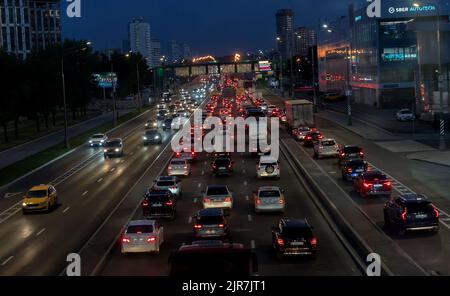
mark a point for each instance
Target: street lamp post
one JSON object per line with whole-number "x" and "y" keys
{"x": 63, "y": 81}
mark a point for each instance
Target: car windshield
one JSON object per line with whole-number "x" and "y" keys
{"x": 151, "y": 133}
{"x": 97, "y": 136}
{"x": 351, "y": 150}
{"x": 269, "y": 193}
{"x": 304, "y": 129}
{"x": 112, "y": 144}
{"x": 37, "y": 193}
{"x": 328, "y": 143}
{"x": 210, "y": 219}
{"x": 165, "y": 183}
{"x": 217, "y": 191}
{"x": 297, "y": 232}
{"x": 137, "y": 229}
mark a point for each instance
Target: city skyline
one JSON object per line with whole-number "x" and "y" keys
{"x": 213, "y": 32}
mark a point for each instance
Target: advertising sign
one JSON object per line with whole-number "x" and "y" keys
{"x": 106, "y": 80}
{"x": 405, "y": 8}
{"x": 265, "y": 66}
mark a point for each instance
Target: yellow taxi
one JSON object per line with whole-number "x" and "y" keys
{"x": 40, "y": 198}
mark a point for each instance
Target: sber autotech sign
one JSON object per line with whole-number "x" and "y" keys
{"x": 410, "y": 8}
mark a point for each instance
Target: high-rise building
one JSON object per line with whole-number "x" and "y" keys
{"x": 186, "y": 52}
{"x": 139, "y": 36}
{"x": 285, "y": 32}
{"x": 28, "y": 25}
{"x": 305, "y": 38}
{"x": 174, "y": 52}
{"x": 156, "y": 52}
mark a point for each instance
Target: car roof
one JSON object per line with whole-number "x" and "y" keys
{"x": 354, "y": 160}
{"x": 210, "y": 212}
{"x": 269, "y": 188}
{"x": 141, "y": 222}
{"x": 216, "y": 186}
{"x": 326, "y": 140}
{"x": 351, "y": 146}
{"x": 413, "y": 198}
{"x": 373, "y": 173}
{"x": 98, "y": 135}
{"x": 115, "y": 140}
{"x": 40, "y": 187}
{"x": 167, "y": 178}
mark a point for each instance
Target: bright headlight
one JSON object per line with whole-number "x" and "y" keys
{"x": 102, "y": 141}
{"x": 117, "y": 150}
{"x": 145, "y": 138}
{"x": 155, "y": 124}
{"x": 90, "y": 141}
{"x": 156, "y": 137}
{"x": 24, "y": 204}
{"x": 105, "y": 150}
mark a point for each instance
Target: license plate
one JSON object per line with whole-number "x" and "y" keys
{"x": 222, "y": 168}
{"x": 359, "y": 171}
{"x": 378, "y": 186}
{"x": 156, "y": 205}
{"x": 421, "y": 216}
{"x": 297, "y": 244}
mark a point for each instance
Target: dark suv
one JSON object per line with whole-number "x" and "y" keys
{"x": 222, "y": 166}
{"x": 411, "y": 212}
{"x": 294, "y": 238}
{"x": 159, "y": 203}
{"x": 353, "y": 168}
{"x": 350, "y": 152}
{"x": 211, "y": 223}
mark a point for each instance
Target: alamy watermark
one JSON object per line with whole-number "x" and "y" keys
{"x": 374, "y": 8}
{"x": 374, "y": 264}
{"x": 73, "y": 8}
{"x": 74, "y": 266}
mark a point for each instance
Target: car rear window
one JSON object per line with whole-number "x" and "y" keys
{"x": 37, "y": 193}
{"x": 165, "y": 183}
{"x": 217, "y": 191}
{"x": 419, "y": 207}
{"x": 140, "y": 229}
{"x": 304, "y": 129}
{"x": 222, "y": 162}
{"x": 328, "y": 143}
{"x": 269, "y": 193}
{"x": 178, "y": 162}
{"x": 157, "y": 197}
{"x": 356, "y": 163}
{"x": 351, "y": 150}
{"x": 373, "y": 177}
{"x": 210, "y": 219}
{"x": 297, "y": 232}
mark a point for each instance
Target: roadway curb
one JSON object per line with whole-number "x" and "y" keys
{"x": 5, "y": 187}
{"x": 350, "y": 234}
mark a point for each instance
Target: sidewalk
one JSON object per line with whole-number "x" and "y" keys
{"x": 17, "y": 153}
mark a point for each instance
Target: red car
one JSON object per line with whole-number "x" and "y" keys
{"x": 372, "y": 183}
{"x": 312, "y": 137}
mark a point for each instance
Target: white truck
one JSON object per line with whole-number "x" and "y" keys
{"x": 299, "y": 113}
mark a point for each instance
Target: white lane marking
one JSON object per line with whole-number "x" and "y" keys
{"x": 199, "y": 185}
{"x": 445, "y": 219}
{"x": 247, "y": 197}
{"x": 203, "y": 173}
{"x": 243, "y": 171}
{"x": 332, "y": 173}
{"x": 249, "y": 218}
{"x": 252, "y": 244}
{"x": 122, "y": 161}
{"x": 190, "y": 220}
{"x": 66, "y": 209}
{"x": 195, "y": 200}
{"x": 8, "y": 195}
{"x": 7, "y": 260}
{"x": 245, "y": 183}
{"x": 99, "y": 180}
{"x": 132, "y": 153}
{"x": 112, "y": 170}
{"x": 183, "y": 244}
{"x": 40, "y": 232}
{"x": 243, "y": 161}
{"x": 84, "y": 193}
{"x": 205, "y": 163}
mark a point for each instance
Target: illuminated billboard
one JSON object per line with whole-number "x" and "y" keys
{"x": 106, "y": 80}
{"x": 265, "y": 66}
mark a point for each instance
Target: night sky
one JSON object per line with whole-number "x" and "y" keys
{"x": 215, "y": 27}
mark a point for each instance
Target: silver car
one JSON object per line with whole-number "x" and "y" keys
{"x": 173, "y": 185}
{"x": 217, "y": 196}
{"x": 300, "y": 133}
{"x": 326, "y": 148}
{"x": 268, "y": 167}
{"x": 142, "y": 236}
{"x": 269, "y": 199}
{"x": 179, "y": 167}
{"x": 98, "y": 140}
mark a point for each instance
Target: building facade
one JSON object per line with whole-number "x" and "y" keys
{"x": 156, "y": 53}
{"x": 304, "y": 38}
{"x": 285, "y": 32}
{"x": 139, "y": 36}
{"x": 26, "y": 25}
{"x": 393, "y": 61}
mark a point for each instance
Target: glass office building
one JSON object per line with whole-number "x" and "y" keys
{"x": 394, "y": 59}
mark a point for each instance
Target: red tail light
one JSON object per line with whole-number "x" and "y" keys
{"x": 169, "y": 203}
{"x": 170, "y": 168}
{"x": 361, "y": 153}
{"x": 280, "y": 242}
{"x": 313, "y": 242}
{"x": 281, "y": 201}
{"x": 178, "y": 154}
{"x": 185, "y": 167}
{"x": 173, "y": 188}
{"x": 151, "y": 239}
{"x": 145, "y": 203}
{"x": 388, "y": 184}
{"x": 198, "y": 226}
{"x": 227, "y": 199}
{"x": 258, "y": 201}
{"x": 221, "y": 225}
{"x": 343, "y": 154}
{"x": 193, "y": 153}
{"x": 125, "y": 240}
{"x": 308, "y": 138}
{"x": 405, "y": 212}
{"x": 436, "y": 213}
{"x": 367, "y": 185}
{"x": 206, "y": 200}
{"x": 230, "y": 166}
{"x": 349, "y": 170}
